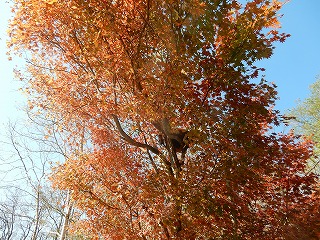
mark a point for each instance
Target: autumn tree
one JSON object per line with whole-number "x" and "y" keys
{"x": 180, "y": 136}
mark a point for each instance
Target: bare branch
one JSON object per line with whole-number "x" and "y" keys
{"x": 131, "y": 140}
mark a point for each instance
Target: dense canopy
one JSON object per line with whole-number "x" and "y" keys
{"x": 177, "y": 124}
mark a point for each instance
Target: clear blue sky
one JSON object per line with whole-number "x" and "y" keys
{"x": 293, "y": 67}
{"x": 295, "y": 64}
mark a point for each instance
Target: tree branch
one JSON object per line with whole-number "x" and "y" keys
{"x": 131, "y": 140}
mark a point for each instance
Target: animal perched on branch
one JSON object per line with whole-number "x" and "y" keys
{"x": 174, "y": 139}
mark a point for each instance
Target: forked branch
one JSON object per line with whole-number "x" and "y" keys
{"x": 131, "y": 140}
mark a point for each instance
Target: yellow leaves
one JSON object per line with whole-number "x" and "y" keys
{"x": 50, "y": 81}
{"x": 274, "y": 23}
{"x": 30, "y": 105}
{"x": 50, "y": 1}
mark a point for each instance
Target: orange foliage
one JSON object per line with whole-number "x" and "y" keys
{"x": 137, "y": 73}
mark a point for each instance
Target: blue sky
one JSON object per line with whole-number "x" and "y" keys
{"x": 295, "y": 64}
{"x": 8, "y": 90}
{"x": 293, "y": 67}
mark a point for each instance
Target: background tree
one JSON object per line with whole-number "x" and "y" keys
{"x": 306, "y": 120}
{"x": 30, "y": 208}
{"x": 179, "y": 136}
{"x": 14, "y": 219}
